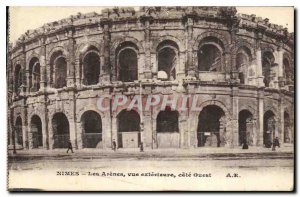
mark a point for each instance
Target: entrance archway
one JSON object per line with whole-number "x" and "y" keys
{"x": 269, "y": 128}
{"x": 167, "y": 129}
{"x": 211, "y": 126}
{"x": 129, "y": 135}
{"x": 61, "y": 133}
{"x": 36, "y": 130}
{"x": 19, "y": 132}
{"x": 92, "y": 130}
{"x": 245, "y": 127}
{"x": 287, "y": 128}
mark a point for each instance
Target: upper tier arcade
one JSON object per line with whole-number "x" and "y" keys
{"x": 175, "y": 44}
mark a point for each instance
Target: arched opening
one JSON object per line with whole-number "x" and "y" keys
{"x": 129, "y": 135}
{"x": 243, "y": 59}
{"x": 61, "y": 133}
{"x": 18, "y": 78}
{"x": 91, "y": 67}
{"x": 58, "y": 70}
{"x": 19, "y": 132}
{"x": 36, "y": 131}
{"x": 268, "y": 60}
{"x": 168, "y": 58}
{"x": 269, "y": 128}
{"x": 211, "y": 126}
{"x": 246, "y": 127}
{"x": 210, "y": 55}
{"x": 92, "y": 130}
{"x": 167, "y": 128}
{"x": 287, "y": 71}
{"x": 127, "y": 62}
{"x": 34, "y": 74}
{"x": 287, "y": 128}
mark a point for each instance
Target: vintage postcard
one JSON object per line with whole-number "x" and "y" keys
{"x": 150, "y": 98}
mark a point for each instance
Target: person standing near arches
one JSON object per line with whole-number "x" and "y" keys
{"x": 70, "y": 147}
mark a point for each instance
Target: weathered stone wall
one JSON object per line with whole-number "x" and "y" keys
{"x": 146, "y": 29}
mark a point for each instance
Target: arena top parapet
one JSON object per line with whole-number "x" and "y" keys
{"x": 228, "y": 14}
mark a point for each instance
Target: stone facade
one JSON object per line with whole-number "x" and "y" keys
{"x": 240, "y": 66}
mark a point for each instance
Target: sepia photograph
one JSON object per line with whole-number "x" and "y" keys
{"x": 150, "y": 98}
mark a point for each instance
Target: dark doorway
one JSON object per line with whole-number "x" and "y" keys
{"x": 61, "y": 133}
{"x": 167, "y": 128}
{"x": 287, "y": 128}
{"x": 19, "y": 132}
{"x": 269, "y": 128}
{"x": 36, "y": 130}
{"x": 209, "y": 126}
{"x": 245, "y": 127}
{"x": 92, "y": 130}
{"x": 129, "y": 135}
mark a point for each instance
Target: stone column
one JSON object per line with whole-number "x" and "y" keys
{"x": 235, "y": 116}
{"x": 107, "y": 131}
{"x": 71, "y": 59}
{"x": 106, "y": 66}
{"x": 43, "y": 64}
{"x": 77, "y": 72}
{"x": 281, "y": 119}
{"x": 114, "y": 128}
{"x": 11, "y": 126}
{"x": 280, "y": 71}
{"x": 190, "y": 67}
{"x": 184, "y": 133}
{"x": 28, "y": 81}
{"x": 147, "y": 72}
{"x": 26, "y": 137}
{"x": 73, "y": 119}
{"x": 260, "y": 115}
{"x": 45, "y": 126}
{"x": 30, "y": 137}
{"x": 51, "y": 140}
{"x": 148, "y": 132}
{"x": 259, "y": 75}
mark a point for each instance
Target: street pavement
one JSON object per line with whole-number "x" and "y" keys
{"x": 256, "y": 167}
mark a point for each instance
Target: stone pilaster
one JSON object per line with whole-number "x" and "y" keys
{"x": 281, "y": 119}
{"x": 147, "y": 35}
{"x": 26, "y": 137}
{"x": 148, "y": 132}
{"x": 28, "y": 81}
{"x": 107, "y": 132}
{"x": 235, "y": 116}
{"x": 259, "y": 75}
{"x": 73, "y": 119}
{"x": 190, "y": 67}
{"x": 77, "y": 72}
{"x": 260, "y": 115}
{"x": 105, "y": 71}
{"x": 71, "y": 59}
{"x": 43, "y": 64}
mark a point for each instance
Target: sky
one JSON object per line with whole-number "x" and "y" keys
{"x": 25, "y": 18}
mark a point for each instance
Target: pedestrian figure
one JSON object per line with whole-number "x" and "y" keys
{"x": 245, "y": 145}
{"x": 141, "y": 147}
{"x": 114, "y": 145}
{"x": 70, "y": 147}
{"x": 276, "y": 142}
